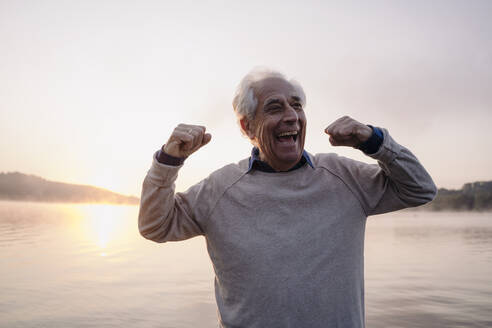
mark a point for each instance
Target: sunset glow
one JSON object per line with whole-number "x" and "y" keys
{"x": 103, "y": 226}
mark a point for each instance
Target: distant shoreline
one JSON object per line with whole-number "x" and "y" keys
{"x": 16, "y": 186}
{"x": 429, "y": 209}
{"x": 6, "y": 200}
{"x": 472, "y": 197}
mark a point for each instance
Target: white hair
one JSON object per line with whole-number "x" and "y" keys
{"x": 245, "y": 101}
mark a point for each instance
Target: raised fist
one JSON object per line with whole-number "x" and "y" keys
{"x": 185, "y": 140}
{"x": 348, "y": 132}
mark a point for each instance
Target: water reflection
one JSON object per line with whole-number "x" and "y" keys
{"x": 429, "y": 270}
{"x": 87, "y": 266}
{"x": 100, "y": 224}
{"x": 475, "y": 231}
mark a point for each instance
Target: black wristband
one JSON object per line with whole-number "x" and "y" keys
{"x": 371, "y": 145}
{"x": 164, "y": 158}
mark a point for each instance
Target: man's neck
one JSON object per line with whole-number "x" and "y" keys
{"x": 259, "y": 164}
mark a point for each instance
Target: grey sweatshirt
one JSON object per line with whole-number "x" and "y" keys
{"x": 287, "y": 248}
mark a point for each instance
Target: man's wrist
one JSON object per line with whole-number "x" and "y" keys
{"x": 164, "y": 158}
{"x": 372, "y": 145}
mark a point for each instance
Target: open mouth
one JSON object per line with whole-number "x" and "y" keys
{"x": 287, "y": 136}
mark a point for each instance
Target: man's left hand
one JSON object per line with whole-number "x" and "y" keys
{"x": 348, "y": 132}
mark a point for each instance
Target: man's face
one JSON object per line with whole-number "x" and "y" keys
{"x": 279, "y": 126}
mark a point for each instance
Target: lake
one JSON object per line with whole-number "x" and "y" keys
{"x": 65, "y": 265}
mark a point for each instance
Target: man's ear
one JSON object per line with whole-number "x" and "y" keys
{"x": 247, "y": 127}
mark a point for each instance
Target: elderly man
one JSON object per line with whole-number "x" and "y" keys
{"x": 284, "y": 228}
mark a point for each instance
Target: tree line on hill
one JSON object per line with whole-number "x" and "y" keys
{"x": 474, "y": 196}
{"x": 19, "y": 186}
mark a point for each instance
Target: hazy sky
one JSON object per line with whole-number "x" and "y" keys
{"x": 90, "y": 89}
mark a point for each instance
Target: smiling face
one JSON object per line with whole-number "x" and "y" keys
{"x": 279, "y": 126}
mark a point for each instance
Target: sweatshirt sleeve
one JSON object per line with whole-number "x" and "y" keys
{"x": 165, "y": 215}
{"x": 398, "y": 180}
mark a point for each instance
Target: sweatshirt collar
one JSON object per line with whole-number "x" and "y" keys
{"x": 256, "y": 163}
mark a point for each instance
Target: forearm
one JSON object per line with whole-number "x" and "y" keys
{"x": 164, "y": 215}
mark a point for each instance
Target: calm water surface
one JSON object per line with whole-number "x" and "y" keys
{"x": 87, "y": 266}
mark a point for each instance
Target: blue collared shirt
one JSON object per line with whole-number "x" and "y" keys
{"x": 257, "y": 163}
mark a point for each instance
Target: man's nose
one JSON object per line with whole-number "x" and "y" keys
{"x": 290, "y": 115}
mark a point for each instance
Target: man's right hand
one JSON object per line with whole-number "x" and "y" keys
{"x": 185, "y": 140}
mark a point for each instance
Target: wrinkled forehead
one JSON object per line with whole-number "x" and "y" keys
{"x": 274, "y": 87}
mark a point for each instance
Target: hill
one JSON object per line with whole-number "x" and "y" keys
{"x": 475, "y": 196}
{"x": 19, "y": 186}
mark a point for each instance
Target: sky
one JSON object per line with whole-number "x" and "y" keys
{"x": 89, "y": 90}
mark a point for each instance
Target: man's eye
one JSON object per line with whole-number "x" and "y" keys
{"x": 274, "y": 108}
{"x": 297, "y": 105}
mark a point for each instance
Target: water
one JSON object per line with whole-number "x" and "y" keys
{"x": 87, "y": 266}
